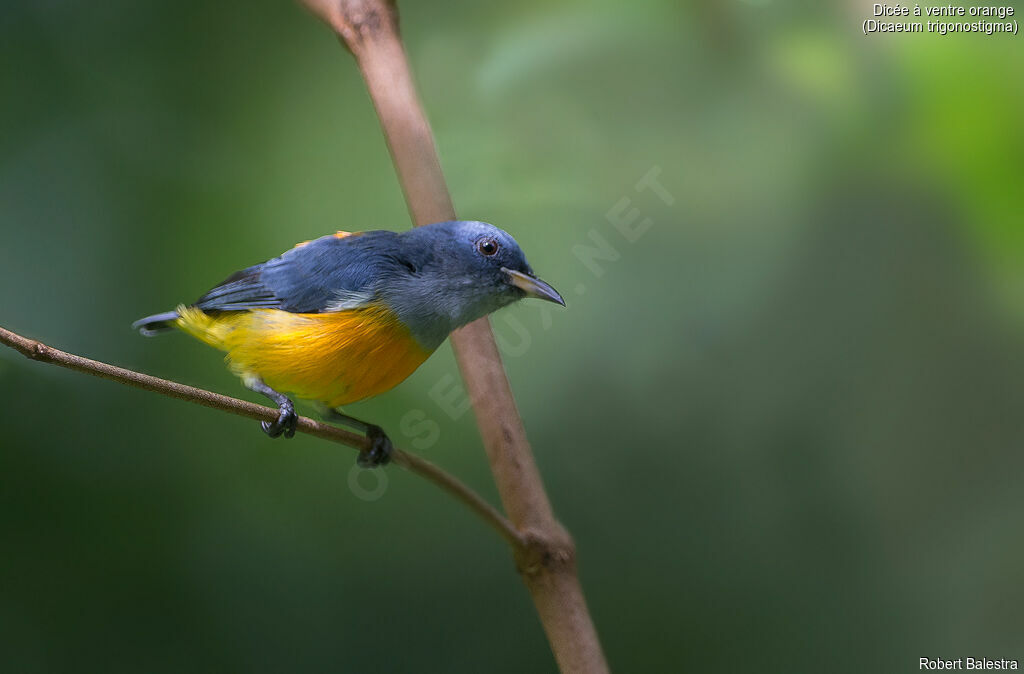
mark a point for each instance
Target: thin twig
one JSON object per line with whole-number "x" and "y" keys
{"x": 36, "y": 350}
{"x": 369, "y": 28}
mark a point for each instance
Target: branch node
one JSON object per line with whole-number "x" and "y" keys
{"x": 545, "y": 552}
{"x": 38, "y": 351}
{"x": 357, "y": 21}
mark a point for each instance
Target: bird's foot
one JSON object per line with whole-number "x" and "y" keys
{"x": 379, "y": 452}
{"x": 285, "y": 423}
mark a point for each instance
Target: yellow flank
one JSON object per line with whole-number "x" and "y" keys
{"x": 335, "y": 358}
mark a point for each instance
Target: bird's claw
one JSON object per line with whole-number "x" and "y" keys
{"x": 379, "y": 452}
{"x": 284, "y": 425}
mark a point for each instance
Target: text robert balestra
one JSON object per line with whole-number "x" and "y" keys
{"x": 936, "y": 664}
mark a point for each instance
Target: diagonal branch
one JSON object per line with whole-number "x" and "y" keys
{"x": 369, "y": 28}
{"x": 35, "y": 350}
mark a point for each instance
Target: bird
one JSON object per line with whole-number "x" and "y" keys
{"x": 350, "y": 315}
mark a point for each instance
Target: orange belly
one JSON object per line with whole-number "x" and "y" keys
{"x": 335, "y": 358}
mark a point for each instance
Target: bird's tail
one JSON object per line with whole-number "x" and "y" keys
{"x": 157, "y": 323}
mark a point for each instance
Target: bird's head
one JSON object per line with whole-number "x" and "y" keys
{"x": 472, "y": 269}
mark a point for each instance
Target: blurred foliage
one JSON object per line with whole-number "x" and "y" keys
{"x": 782, "y": 425}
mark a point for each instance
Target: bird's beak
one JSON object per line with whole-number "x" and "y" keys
{"x": 533, "y": 286}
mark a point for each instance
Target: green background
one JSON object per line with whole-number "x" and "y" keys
{"x": 784, "y": 425}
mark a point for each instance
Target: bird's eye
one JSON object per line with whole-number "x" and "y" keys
{"x": 487, "y": 246}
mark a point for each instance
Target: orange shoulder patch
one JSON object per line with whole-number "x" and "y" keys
{"x": 340, "y": 234}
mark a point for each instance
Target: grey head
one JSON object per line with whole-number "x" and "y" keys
{"x": 452, "y": 273}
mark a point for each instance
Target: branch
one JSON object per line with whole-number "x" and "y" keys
{"x": 369, "y": 28}
{"x": 34, "y": 350}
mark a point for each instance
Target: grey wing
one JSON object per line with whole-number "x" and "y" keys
{"x": 242, "y": 290}
{"x": 328, "y": 274}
